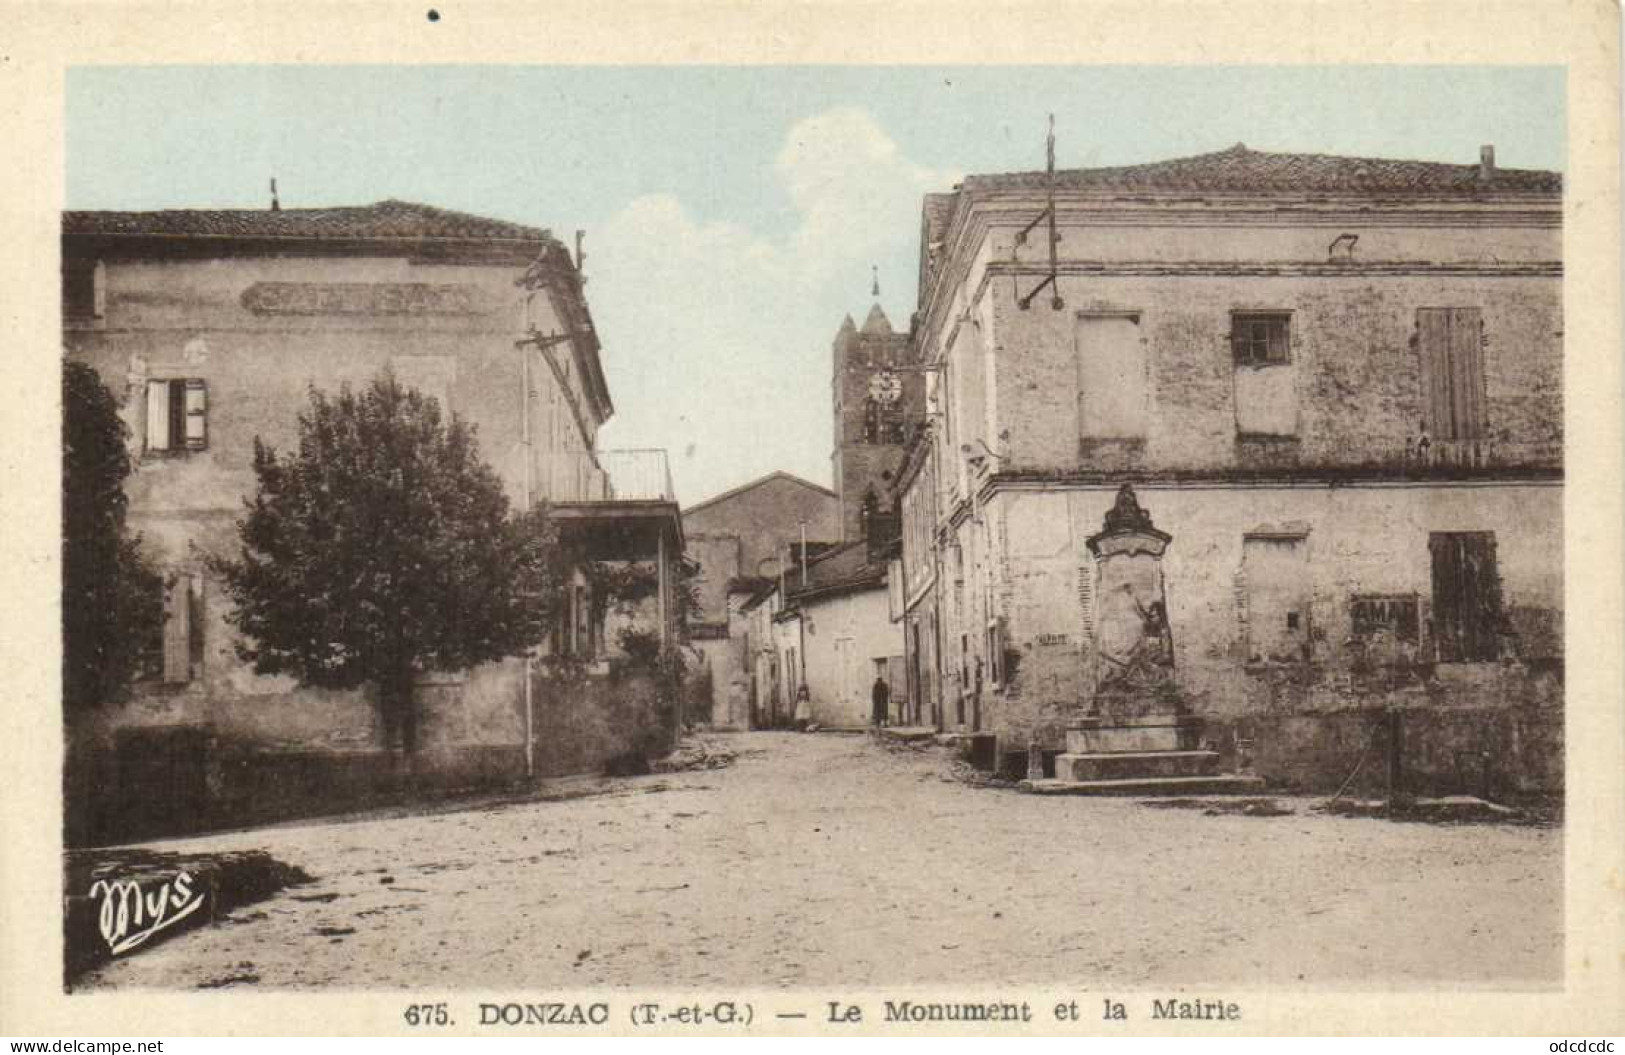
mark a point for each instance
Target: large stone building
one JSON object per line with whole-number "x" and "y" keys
{"x": 1333, "y": 388}
{"x": 210, "y": 326}
{"x": 739, "y": 541}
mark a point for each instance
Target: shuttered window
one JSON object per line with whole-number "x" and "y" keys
{"x": 82, "y": 289}
{"x": 1450, "y": 341}
{"x": 1466, "y": 596}
{"x": 179, "y": 646}
{"x": 177, "y": 415}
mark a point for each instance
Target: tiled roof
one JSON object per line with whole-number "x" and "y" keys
{"x": 1243, "y": 170}
{"x": 838, "y": 569}
{"x": 734, "y": 492}
{"x": 382, "y": 220}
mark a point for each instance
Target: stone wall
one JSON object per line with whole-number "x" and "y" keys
{"x": 844, "y": 635}
{"x": 1354, "y": 387}
{"x": 1355, "y": 540}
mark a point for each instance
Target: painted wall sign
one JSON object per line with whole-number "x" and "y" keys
{"x": 358, "y": 298}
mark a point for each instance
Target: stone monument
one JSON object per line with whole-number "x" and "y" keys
{"x": 1137, "y": 736}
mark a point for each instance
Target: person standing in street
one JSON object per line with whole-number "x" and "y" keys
{"x": 803, "y": 715}
{"x": 880, "y": 700}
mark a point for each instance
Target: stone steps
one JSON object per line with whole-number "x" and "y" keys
{"x": 1150, "y": 787}
{"x": 1129, "y": 765}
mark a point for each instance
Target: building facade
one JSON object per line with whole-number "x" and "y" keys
{"x": 739, "y": 541}
{"x": 210, "y": 327}
{"x": 1334, "y": 384}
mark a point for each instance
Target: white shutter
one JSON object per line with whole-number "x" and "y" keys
{"x": 158, "y": 416}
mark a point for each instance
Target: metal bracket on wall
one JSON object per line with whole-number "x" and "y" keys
{"x": 1025, "y": 302}
{"x": 546, "y": 340}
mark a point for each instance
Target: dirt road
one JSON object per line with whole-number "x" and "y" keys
{"x": 829, "y": 860}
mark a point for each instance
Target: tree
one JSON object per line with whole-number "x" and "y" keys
{"x": 383, "y": 547}
{"x": 112, "y": 598}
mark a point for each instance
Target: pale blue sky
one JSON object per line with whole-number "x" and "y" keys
{"x": 732, "y": 214}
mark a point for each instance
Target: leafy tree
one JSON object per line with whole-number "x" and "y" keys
{"x": 382, "y": 547}
{"x": 112, "y": 598}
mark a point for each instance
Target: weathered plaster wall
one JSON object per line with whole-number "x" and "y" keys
{"x": 197, "y": 319}
{"x": 1357, "y": 540}
{"x": 843, "y": 636}
{"x": 1354, "y": 390}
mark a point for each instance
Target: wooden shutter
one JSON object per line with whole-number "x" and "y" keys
{"x": 1433, "y": 344}
{"x": 1450, "y": 345}
{"x": 178, "y": 629}
{"x": 158, "y": 416}
{"x": 195, "y": 397}
{"x": 1466, "y": 373}
{"x": 1466, "y": 596}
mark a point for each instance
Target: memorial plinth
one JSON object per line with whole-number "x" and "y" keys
{"x": 1137, "y": 738}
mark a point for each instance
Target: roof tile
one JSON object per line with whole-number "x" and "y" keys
{"x": 1243, "y": 170}
{"x": 390, "y": 219}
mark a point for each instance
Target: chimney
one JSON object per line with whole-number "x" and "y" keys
{"x": 276, "y": 205}
{"x": 1486, "y": 161}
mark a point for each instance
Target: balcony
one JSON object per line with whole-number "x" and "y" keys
{"x": 618, "y": 505}
{"x": 605, "y": 476}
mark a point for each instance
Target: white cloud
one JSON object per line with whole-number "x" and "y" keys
{"x": 855, "y": 190}
{"x": 716, "y": 338}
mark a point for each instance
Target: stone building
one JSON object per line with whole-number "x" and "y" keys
{"x": 877, "y": 404}
{"x": 740, "y": 540}
{"x": 210, "y": 326}
{"x": 829, "y": 622}
{"x": 1333, "y": 388}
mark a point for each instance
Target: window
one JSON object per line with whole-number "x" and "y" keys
{"x": 995, "y": 652}
{"x": 1265, "y": 384}
{"x": 1275, "y": 574}
{"x": 1112, "y": 378}
{"x": 176, "y": 644}
{"x": 1261, "y": 338}
{"x": 1451, "y": 344}
{"x": 1466, "y": 596}
{"x": 177, "y": 415}
{"x": 82, "y": 289}
{"x": 575, "y": 633}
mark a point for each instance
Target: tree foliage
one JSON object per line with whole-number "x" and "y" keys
{"x": 112, "y": 599}
{"x": 382, "y": 547}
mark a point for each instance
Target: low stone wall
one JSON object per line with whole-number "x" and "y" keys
{"x": 1496, "y": 754}
{"x": 588, "y": 725}
{"x": 156, "y": 781}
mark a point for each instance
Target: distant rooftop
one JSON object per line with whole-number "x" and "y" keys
{"x": 389, "y": 219}
{"x": 1242, "y": 170}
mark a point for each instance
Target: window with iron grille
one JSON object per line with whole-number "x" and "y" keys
{"x": 1261, "y": 338}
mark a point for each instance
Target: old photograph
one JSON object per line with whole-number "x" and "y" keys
{"x": 927, "y": 534}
